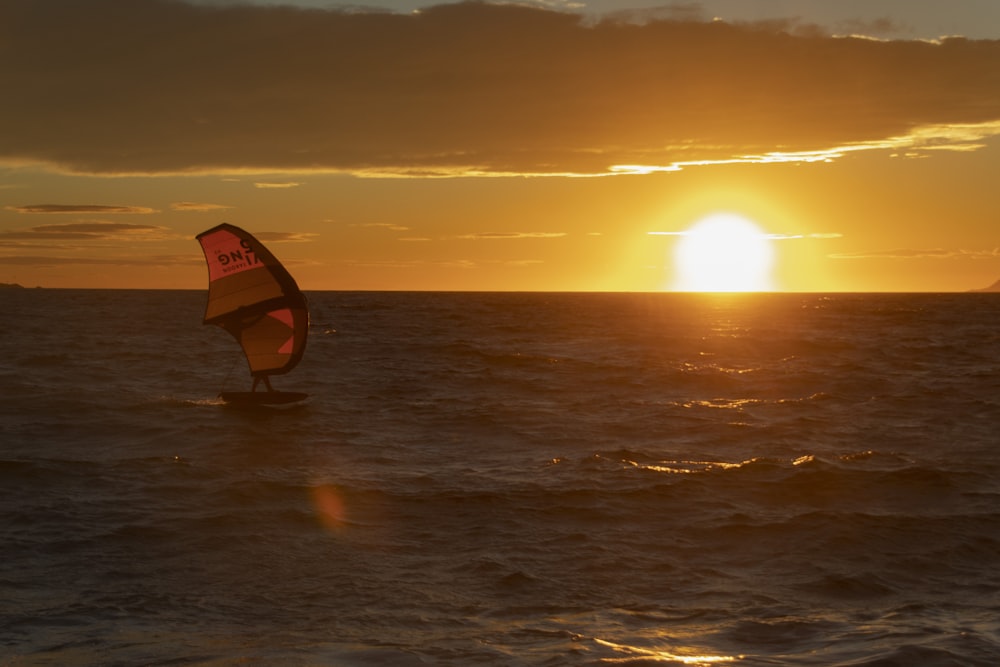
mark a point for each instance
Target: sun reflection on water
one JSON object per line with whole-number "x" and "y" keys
{"x": 682, "y": 467}
{"x": 632, "y": 652}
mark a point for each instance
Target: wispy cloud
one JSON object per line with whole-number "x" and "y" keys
{"x": 412, "y": 264}
{"x": 197, "y": 207}
{"x": 146, "y": 261}
{"x": 920, "y": 253}
{"x": 384, "y": 225}
{"x": 443, "y": 92}
{"x": 86, "y": 231}
{"x": 81, "y": 208}
{"x": 282, "y": 237}
{"x": 276, "y": 186}
{"x": 773, "y": 237}
{"x": 512, "y": 235}
{"x": 818, "y": 235}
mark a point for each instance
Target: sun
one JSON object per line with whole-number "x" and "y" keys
{"x": 724, "y": 253}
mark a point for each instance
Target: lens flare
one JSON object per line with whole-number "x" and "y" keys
{"x": 330, "y": 507}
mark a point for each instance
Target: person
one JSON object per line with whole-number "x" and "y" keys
{"x": 261, "y": 377}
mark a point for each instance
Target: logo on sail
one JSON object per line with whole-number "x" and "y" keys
{"x": 236, "y": 260}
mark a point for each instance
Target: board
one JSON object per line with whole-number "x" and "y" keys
{"x": 251, "y": 398}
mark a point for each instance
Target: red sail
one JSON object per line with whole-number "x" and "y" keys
{"x": 253, "y": 297}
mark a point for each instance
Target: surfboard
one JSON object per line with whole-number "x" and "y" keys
{"x": 250, "y": 398}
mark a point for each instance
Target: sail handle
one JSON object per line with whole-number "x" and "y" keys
{"x": 229, "y": 374}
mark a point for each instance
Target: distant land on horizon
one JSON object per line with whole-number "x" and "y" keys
{"x": 995, "y": 287}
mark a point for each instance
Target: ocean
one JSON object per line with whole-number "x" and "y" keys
{"x": 505, "y": 479}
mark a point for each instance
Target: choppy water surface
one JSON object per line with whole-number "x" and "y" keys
{"x": 505, "y": 479}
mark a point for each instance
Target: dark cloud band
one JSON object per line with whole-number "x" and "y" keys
{"x": 154, "y": 86}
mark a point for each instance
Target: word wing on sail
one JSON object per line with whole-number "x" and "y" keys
{"x": 253, "y": 297}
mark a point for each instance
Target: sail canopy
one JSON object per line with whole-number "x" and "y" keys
{"x": 253, "y": 297}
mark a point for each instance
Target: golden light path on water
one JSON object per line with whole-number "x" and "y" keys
{"x": 662, "y": 656}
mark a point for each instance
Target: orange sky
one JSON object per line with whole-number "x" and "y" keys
{"x": 487, "y": 147}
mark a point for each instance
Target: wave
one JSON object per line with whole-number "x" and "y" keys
{"x": 507, "y": 479}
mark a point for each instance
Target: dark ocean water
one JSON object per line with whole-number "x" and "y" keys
{"x": 505, "y": 479}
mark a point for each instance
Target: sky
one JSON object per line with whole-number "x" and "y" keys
{"x": 557, "y": 146}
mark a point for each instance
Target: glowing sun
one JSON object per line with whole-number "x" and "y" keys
{"x": 724, "y": 253}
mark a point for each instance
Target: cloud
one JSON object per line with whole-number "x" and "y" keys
{"x": 412, "y": 264}
{"x": 157, "y": 86}
{"x": 81, "y": 208}
{"x": 281, "y": 237}
{"x": 197, "y": 207}
{"x": 142, "y": 261}
{"x": 512, "y": 235}
{"x": 86, "y": 231}
{"x": 773, "y": 237}
{"x": 677, "y": 11}
{"x": 383, "y": 225}
{"x": 276, "y": 186}
{"x": 817, "y": 235}
{"x": 920, "y": 253}
{"x": 880, "y": 27}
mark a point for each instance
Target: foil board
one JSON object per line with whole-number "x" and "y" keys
{"x": 262, "y": 397}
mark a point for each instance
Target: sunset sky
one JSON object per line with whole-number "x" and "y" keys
{"x": 405, "y": 145}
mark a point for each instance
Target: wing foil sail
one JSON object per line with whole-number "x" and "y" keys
{"x": 253, "y": 297}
